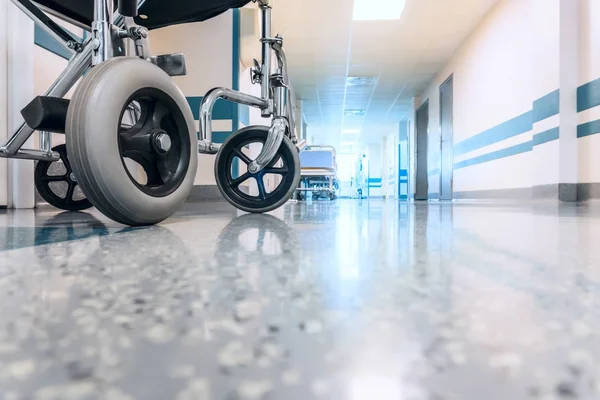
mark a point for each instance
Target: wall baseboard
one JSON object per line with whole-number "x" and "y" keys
{"x": 516, "y": 193}
{"x": 587, "y": 191}
{"x": 567, "y": 192}
{"x": 562, "y": 191}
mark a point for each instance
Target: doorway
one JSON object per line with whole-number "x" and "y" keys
{"x": 421, "y": 180}
{"x": 447, "y": 140}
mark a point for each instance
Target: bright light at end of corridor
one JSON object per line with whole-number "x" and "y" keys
{"x": 371, "y": 10}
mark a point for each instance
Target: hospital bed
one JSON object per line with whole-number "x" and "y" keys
{"x": 318, "y": 173}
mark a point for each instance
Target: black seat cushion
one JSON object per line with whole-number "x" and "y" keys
{"x": 159, "y": 13}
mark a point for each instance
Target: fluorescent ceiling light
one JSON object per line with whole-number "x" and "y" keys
{"x": 372, "y": 10}
{"x": 350, "y": 131}
{"x": 355, "y": 113}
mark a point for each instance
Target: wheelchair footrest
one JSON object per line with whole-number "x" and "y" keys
{"x": 172, "y": 64}
{"x": 47, "y": 114}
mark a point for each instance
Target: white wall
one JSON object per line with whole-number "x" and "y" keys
{"x": 208, "y": 51}
{"x": 589, "y": 70}
{"x": 3, "y": 100}
{"x": 522, "y": 51}
{"x": 389, "y": 164}
{"x": 492, "y": 84}
{"x": 546, "y": 56}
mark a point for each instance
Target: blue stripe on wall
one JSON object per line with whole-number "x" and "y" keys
{"x": 543, "y": 108}
{"x": 435, "y": 171}
{"x": 219, "y": 137}
{"x": 495, "y": 155}
{"x": 545, "y": 137}
{"x": 546, "y": 106}
{"x": 244, "y": 114}
{"x": 45, "y": 41}
{"x": 516, "y": 126}
{"x": 223, "y": 109}
{"x": 588, "y": 95}
{"x": 589, "y": 128}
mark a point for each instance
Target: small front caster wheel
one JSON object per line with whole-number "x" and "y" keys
{"x": 263, "y": 191}
{"x": 56, "y": 183}
{"x": 136, "y": 173}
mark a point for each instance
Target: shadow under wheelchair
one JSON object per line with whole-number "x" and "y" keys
{"x": 64, "y": 227}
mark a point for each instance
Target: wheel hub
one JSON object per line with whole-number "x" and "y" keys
{"x": 162, "y": 142}
{"x": 72, "y": 177}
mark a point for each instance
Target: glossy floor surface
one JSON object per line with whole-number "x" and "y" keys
{"x": 352, "y": 300}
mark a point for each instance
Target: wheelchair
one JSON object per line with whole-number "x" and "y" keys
{"x": 127, "y": 106}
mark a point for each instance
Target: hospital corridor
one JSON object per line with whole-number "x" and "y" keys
{"x": 293, "y": 200}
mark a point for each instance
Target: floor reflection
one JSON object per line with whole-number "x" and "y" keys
{"x": 330, "y": 300}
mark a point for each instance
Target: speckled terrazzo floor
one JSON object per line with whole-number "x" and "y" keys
{"x": 348, "y": 300}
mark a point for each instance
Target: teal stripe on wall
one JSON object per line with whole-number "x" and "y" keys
{"x": 45, "y": 41}
{"x": 516, "y": 126}
{"x": 219, "y": 137}
{"x": 495, "y": 155}
{"x": 435, "y": 171}
{"x": 589, "y": 128}
{"x": 545, "y": 137}
{"x": 546, "y": 106}
{"x": 244, "y": 114}
{"x": 588, "y": 95}
{"x": 222, "y": 110}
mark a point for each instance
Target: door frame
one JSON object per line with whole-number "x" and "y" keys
{"x": 422, "y": 107}
{"x": 449, "y": 80}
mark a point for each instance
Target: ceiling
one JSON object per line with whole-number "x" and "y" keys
{"x": 325, "y": 46}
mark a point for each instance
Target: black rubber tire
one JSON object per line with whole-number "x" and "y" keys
{"x": 46, "y": 192}
{"x": 93, "y": 146}
{"x": 252, "y": 204}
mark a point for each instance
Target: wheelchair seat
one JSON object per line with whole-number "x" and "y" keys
{"x": 153, "y": 14}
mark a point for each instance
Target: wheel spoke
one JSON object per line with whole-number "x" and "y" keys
{"x": 137, "y": 137}
{"x": 242, "y": 156}
{"x": 149, "y": 163}
{"x": 239, "y": 180}
{"x": 277, "y": 171}
{"x": 262, "y": 191}
{"x": 55, "y": 178}
{"x": 159, "y": 112}
{"x": 65, "y": 160}
{"x": 70, "y": 191}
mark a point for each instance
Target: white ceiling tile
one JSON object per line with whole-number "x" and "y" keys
{"x": 324, "y": 45}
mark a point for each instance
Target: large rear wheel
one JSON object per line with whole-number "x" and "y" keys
{"x": 137, "y": 173}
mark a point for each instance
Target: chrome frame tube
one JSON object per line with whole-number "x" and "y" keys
{"x": 266, "y": 53}
{"x": 283, "y": 69}
{"x": 77, "y": 65}
{"x": 102, "y": 30}
{"x": 279, "y": 104}
{"x": 206, "y": 107}
{"x": 271, "y": 146}
{"x": 46, "y": 142}
{"x": 44, "y": 27}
